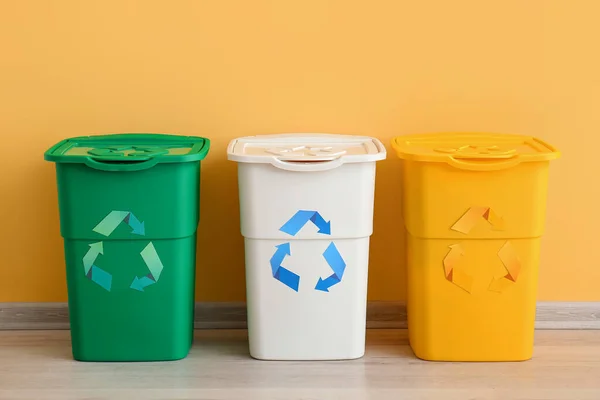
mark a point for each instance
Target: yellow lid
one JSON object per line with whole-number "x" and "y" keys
{"x": 473, "y": 151}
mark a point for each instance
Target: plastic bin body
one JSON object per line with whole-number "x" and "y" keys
{"x": 474, "y": 208}
{"x": 129, "y": 230}
{"x": 282, "y": 200}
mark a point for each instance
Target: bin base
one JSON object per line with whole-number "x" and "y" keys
{"x": 452, "y": 321}
{"x": 124, "y": 323}
{"x": 300, "y": 356}
{"x": 476, "y": 355}
{"x": 95, "y": 356}
{"x": 307, "y": 324}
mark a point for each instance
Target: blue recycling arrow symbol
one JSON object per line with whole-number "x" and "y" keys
{"x": 301, "y": 218}
{"x": 337, "y": 265}
{"x": 284, "y": 275}
{"x": 332, "y": 255}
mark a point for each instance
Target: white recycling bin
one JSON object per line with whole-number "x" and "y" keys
{"x": 306, "y": 207}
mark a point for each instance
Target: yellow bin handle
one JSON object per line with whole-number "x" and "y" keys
{"x": 484, "y": 164}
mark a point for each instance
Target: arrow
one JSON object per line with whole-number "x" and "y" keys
{"x": 107, "y": 226}
{"x": 140, "y": 283}
{"x": 152, "y": 260}
{"x": 451, "y": 259}
{"x": 338, "y": 266}
{"x": 137, "y": 226}
{"x": 282, "y": 251}
{"x": 101, "y": 278}
{"x": 470, "y": 218}
{"x": 91, "y": 255}
{"x": 284, "y": 275}
{"x": 324, "y": 284}
{"x": 335, "y": 260}
{"x": 319, "y": 221}
{"x": 511, "y": 262}
{"x": 494, "y": 220}
{"x": 499, "y": 285}
{"x": 462, "y": 280}
{"x": 454, "y": 274}
{"x": 297, "y": 222}
{"x": 288, "y": 278}
{"x": 110, "y": 222}
{"x": 294, "y": 224}
{"x": 155, "y": 266}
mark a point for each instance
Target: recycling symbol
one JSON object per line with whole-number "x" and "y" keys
{"x": 148, "y": 254}
{"x": 312, "y": 151}
{"x": 507, "y": 254}
{"x": 477, "y": 151}
{"x": 118, "y": 152}
{"x": 331, "y": 254}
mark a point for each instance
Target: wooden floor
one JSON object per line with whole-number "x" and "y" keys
{"x": 38, "y": 365}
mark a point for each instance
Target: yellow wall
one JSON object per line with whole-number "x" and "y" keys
{"x": 227, "y": 68}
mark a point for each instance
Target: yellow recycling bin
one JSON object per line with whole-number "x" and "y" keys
{"x": 474, "y": 207}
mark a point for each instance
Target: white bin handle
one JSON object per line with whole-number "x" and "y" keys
{"x": 307, "y": 166}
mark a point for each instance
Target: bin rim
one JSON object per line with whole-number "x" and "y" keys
{"x": 463, "y": 149}
{"x": 199, "y": 147}
{"x": 374, "y": 150}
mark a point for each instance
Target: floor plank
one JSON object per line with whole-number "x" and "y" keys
{"x": 38, "y": 365}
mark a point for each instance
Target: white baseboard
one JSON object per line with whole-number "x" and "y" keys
{"x": 550, "y": 315}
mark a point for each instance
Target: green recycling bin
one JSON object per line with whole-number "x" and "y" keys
{"x": 129, "y": 211}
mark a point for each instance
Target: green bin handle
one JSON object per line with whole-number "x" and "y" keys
{"x": 140, "y": 164}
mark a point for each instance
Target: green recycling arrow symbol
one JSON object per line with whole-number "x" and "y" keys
{"x": 93, "y": 272}
{"x": 106, "y": 227}
{"x": 155, "y": 267}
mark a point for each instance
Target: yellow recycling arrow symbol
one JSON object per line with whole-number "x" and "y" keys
{"x": 460, "y": 278}
{"x": 511, "y": 262}
{"x": 454, "y": 274}
{"x": 472, "y": 217}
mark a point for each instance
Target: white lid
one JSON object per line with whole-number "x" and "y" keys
{"x": 305, "y": 151}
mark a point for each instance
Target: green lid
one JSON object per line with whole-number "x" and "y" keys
{"x": 131, "y": 151}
